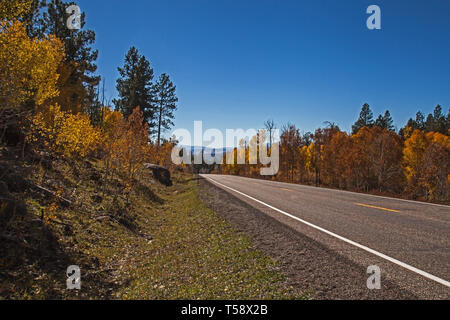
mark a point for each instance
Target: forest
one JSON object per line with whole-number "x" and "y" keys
{"x": 413, "y": 163}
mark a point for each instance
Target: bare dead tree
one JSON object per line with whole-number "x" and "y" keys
{"x": 270, "y": 127}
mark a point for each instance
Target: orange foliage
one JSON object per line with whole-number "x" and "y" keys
{"x": 427, "y": 165}
{"x": 373, "y": 159}
{"x": 127, "y": 143}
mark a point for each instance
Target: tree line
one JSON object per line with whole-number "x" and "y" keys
{"x": 51, "y": 98}
{"x": 374, "y": 158}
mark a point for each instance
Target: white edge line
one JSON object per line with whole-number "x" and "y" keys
{"x": 379, "y": 254}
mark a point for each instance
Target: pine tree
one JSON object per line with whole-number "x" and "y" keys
{"x": 33, "y": 19}
{"x": 80, "y": 60}
{"x": 385, "y": 122}
{"x": 447, "y": 123}
{"x": 165, "y": 104}
{"x": 365, "y": 119}
{"x": 420, "y": 121}
{"x": 436, "y": 121}
{"x": 411, "y": 125}
{"x": 135, "y": 86}
{"x": 93, "y": 105}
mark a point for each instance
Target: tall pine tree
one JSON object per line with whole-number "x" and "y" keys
{"x": 436, "y": 121}
{"x": 135, "y": 86}
{"x": 413, "y": 124}
{"x": 365, "y": 119}
{"x": 385, "y": 121}
{"x": 165, "y": 104}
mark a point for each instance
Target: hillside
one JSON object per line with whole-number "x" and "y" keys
{"x": 160, "y": 243}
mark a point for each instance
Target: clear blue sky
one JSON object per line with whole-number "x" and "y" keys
{"x": 237, "y": 63}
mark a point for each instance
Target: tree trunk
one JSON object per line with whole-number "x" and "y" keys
{"x": 159, "y": 125}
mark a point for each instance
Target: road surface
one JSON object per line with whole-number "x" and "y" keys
{"x": 409, "y": 241}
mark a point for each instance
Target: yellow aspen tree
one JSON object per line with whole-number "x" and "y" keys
{"x": 413, "y": 154}
{"x": 129, "y": 148}
{"x": 28, "y": 67}
{"x": 111, "y": 123}
{"x": 71, "y": 136}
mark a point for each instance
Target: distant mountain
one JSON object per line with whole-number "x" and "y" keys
{"x": 214, "y": 151}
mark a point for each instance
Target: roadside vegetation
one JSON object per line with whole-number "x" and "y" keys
{"x": 159, "y": 243}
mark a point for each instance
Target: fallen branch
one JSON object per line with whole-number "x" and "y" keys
{"x": 60, "y": 223}
{"x": 49, "y": 192}
{"x": 102, "y": 218}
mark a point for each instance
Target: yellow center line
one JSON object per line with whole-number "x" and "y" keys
{"x": 286, "y": 189}
{"x": 375, "y": 207}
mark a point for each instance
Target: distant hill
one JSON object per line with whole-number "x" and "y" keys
{"x": 214, "y": 151}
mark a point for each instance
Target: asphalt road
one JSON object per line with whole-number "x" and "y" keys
{"x": 409, "y": 241}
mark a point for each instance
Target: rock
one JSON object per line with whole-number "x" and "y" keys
{"x": 161, "y": 174}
